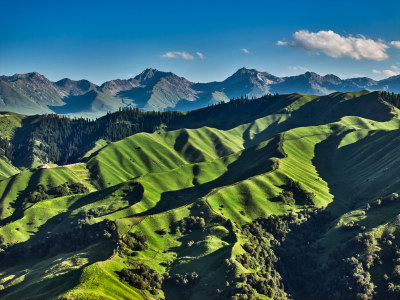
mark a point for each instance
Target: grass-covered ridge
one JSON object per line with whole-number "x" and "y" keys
{"x": 208, "y": 208}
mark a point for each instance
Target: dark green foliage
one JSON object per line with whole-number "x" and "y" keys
{"x": 260, "y": 256}
{"x": 262, "y": 253}
{"x": 186, "y": 280}
{"x": 41, "y": 188}
{"x": 93, "y": 213}
{"x": 142, "y": 277}
{"x": 383, "y": 201}
{"x": 62, "y": 190}
{"x": 302, "y": 196}
{"x": 78, "y": 188}
{"x": 36, "y": 197}
{"x": 393, "y": 280}
{"x": 287, "y": 197}
{"x": 354, "y": 282}
{"x": 191, "y": 223}
{"x": 78, "y": 238}
{"x": 63, "y": 140}
{"x": 135, "y": 241}
{"x": 294, "y": 194}
{"x": 6, "y": 148}
{"x": 39, "y": 195}
{"x": 135, "y": 192}
{"x": 300, "y": 266}
{"x": 161, "y": 231}
{"x": 139, "y": 236}
{"x": 392, "y": 98}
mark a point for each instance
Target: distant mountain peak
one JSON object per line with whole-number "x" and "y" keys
{"x": 151, "y": 76}
{"x": 69, "y": 87}
{"x": 26, "y": 76}
{"x": 34, "y": 74}
{"x": 148, "y": 74}
{"x": 158, "y": 90}
{"x": 311, "y": 74}
{"x": 244, "y": 70}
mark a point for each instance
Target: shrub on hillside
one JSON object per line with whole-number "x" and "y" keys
{"x": 142, "y": 277}
{"x": 62, "y": 190}
{"x": 191, "y": 223}
{"x": 135, "y": 241}
{"x": 78, "y": 188}
{"x": 186, "y": 280}
{"x": 294, "y": 194}
{"x": 78, "y": 238}
{"x": 287, "y": 198}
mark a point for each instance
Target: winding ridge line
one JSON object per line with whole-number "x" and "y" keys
{"x": 214, "y": 191}
{"x": 275, "y": 167}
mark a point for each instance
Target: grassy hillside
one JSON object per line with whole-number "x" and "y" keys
{"x": 260, "y": 203}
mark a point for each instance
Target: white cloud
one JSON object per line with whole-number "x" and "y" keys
{"x": 245, "y": 50}
{"x": 387, "y": 73}
{"x": 201, "y": 55}
{"x": 298, "y": 68}
{"x": 178, "y": 54}
{"x": 395, "y": 44}
{"x": 335, "y": 45}
{"x": 281, "y": 43}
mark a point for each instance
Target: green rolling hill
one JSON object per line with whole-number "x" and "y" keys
{"x": 250, "y": 199}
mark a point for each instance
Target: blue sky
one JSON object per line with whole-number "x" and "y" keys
{"x": 103, "y": 40}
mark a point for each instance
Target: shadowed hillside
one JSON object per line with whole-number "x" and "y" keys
{"x": 251, "y": 198}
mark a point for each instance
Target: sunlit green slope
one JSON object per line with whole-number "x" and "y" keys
{"x": 342, "y": 148}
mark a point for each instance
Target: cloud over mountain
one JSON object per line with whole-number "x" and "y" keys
{"x": 394, "y": 71}
{"x": 335, "y": 45}
{"x": 395, "y": 44}
{"x": 200, "y": 55}
{"x": 178, "y": 54}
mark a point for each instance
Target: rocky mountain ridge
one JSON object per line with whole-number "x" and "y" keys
{"x": 33, "y": 93}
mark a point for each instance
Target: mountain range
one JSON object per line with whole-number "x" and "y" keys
{"x": 33, "y": 93}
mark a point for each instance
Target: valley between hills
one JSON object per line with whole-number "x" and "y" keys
{"x": 284, "y": 196}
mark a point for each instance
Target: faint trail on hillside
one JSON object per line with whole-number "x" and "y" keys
{"x": 280, "y": 149}
{"x": 123, "y": 235}
{"x": 68, "y": 165}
